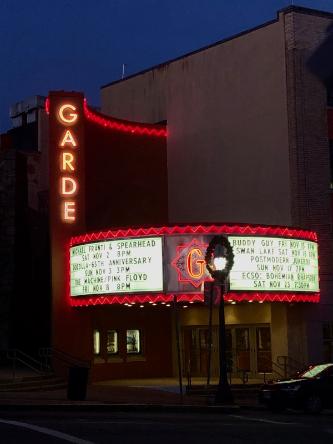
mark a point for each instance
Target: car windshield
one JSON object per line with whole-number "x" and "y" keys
{"x": 315, "y": 371}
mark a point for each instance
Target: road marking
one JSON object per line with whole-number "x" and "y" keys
{"x": 165, "y": 423}
{"x": 47, "y": 431}
{"x": 268, "y": 421}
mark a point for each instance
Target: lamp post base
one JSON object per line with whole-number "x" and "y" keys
{"x": 224, "y": 395}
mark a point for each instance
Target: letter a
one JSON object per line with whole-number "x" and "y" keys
{"x": 68, "y": 138}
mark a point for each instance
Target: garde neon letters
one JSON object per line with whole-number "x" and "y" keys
{"x": 68, "y": 145}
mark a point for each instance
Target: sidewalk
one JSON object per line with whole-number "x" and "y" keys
{"x": 115, "y": 395}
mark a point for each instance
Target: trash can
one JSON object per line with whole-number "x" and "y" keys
{"x": 77, "y": 383}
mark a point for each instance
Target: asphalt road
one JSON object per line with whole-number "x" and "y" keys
{"x": 159, "y": 428}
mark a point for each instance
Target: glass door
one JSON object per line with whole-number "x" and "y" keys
{"x": 252, "y": 351}
{"x": 248, "y": 350}
{"x": 203, "y": 350}
{"x": 263, "y": 350}
{"x": 242, "y": 349}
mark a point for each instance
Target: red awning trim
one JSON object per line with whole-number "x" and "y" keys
{"x": 196, "y": 229}
{"x": 198, "y": 297}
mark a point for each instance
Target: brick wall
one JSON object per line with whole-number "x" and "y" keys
{"x": 7, "y": 240}
{"x": 309, "y": 156}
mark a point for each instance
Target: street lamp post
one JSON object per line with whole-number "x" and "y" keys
{"x": 219, "y": 261}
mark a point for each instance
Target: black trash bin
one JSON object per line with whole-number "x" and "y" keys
{"x": 77, "y": 383}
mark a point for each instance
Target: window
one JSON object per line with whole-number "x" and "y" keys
{"x": 112, "y": 342}
{"x": 97, "y": 342}
{"x": 133, "y": 341}
{"x": 328, "y": 341}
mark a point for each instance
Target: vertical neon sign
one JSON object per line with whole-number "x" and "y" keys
{"x": 68, "y": 145}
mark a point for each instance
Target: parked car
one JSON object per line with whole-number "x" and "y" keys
{"x": 311, "y": 390}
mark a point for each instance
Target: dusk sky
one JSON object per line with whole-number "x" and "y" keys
{"x": 81, "y": 44}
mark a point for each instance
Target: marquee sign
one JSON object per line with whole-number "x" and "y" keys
{"x": 66, "y": 157}
{"x": 68, "y": 144}
{"x": 274, "y": 265}
{"x": 260, "y": 264}
{"x": 130, "y": 265}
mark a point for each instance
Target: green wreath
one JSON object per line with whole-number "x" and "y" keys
{"x": 219, "y": 275}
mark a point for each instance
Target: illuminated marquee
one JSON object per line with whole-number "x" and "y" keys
{"x": 68, "y": 116}
{"x": 274, "y": 264}
{"x": 117, "y": 266}
{"x": 271, "y": 264}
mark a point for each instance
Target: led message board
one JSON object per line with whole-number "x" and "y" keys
{"x": 274, "y": 264}
{"x": 131, "y": 265}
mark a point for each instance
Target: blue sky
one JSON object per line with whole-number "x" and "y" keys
{"x": 82, "y": 44}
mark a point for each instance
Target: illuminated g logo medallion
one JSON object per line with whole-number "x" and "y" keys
{"x": 190, "y": 263}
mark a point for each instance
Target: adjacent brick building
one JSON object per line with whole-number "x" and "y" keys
{"x": 24, "y": 234}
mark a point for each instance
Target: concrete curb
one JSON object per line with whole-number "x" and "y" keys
{"x": 104, "y": 407}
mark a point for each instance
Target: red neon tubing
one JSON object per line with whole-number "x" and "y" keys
{"x": 47, "y": 105}
{"x": 86, "y": 301}
{"x": 196, "y": 229}
{"x": 127, "y": 127}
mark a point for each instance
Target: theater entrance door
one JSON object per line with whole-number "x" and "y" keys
{"x": 248, "y": 350}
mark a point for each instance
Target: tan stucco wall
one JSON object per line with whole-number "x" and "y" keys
{"x": 227, "y": 122}
{"x": 234, "y": 314}
{"x": 279, "y": 331}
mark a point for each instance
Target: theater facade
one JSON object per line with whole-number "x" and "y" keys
{"x": 125, "y": 281}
